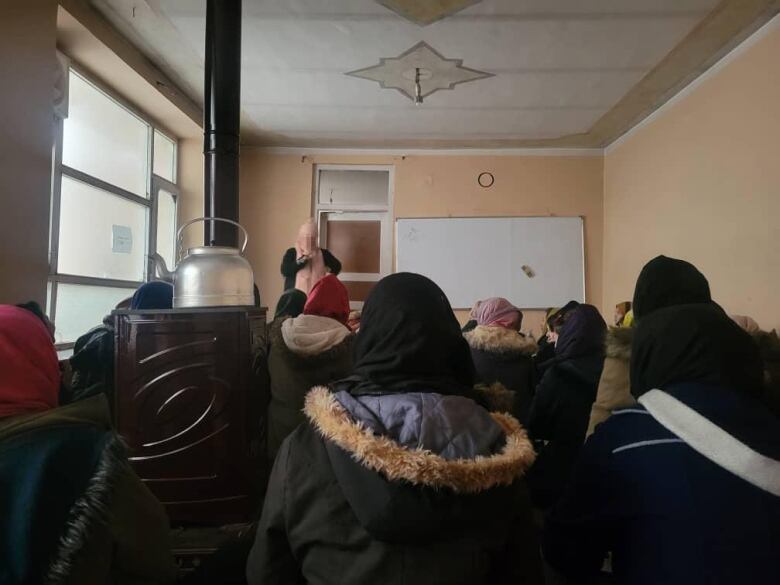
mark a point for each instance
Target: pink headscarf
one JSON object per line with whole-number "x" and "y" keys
{"x": 497, "y": 312}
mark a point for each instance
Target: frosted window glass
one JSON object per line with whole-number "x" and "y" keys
{"x": 354, "y": 187}
{"x": 166, "y": 227}
{"x": 101, "y": 234}
{"x": 103, "y": 139}
{"x": 81, "y": 307}
{"x": 164, "y": 157}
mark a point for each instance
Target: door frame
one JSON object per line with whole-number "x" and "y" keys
{"x": 382, "y": 212}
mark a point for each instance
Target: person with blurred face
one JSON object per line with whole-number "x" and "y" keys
{"x": 621, "y": 310}
{"x": 306, "y": 263}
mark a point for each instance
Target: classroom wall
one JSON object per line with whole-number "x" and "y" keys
{"x": 190, "y": 204}
{"x": 701, "y": 181}
{"x": 27, "y": 71}
{"x": 276, "y": 196}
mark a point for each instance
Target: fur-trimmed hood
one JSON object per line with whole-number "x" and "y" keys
{"x": 468, "y": 460}
{"x": 338, "y": 346}
{"x": 618, "y": 343}
{"x": 420, "y": 467}
{"x": 500, "y": 340}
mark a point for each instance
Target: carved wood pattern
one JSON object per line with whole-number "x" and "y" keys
{"x": 184, "y": 386}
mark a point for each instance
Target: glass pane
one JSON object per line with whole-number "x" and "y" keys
{"x": 164, "y": 157}
{"x": 101, "y": 234}
{"x": 354, "y": 187}
{"x": 103, "y": 139}
{"x": 166, "y": 227}
{"x": 81, "y": 307}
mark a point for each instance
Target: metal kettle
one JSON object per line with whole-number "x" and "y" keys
{"x": 209, "y": 276}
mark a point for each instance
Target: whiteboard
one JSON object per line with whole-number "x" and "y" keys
{"x": 473, "y": 258}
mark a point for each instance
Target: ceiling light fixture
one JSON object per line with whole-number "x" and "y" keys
{"x": 418, "y": 98}
{"x": 419, "y": 72}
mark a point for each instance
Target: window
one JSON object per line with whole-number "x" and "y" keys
{"x": 353, "y": 205}
{"x": 113, "y": 204}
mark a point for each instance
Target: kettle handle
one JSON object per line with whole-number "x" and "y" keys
{"x": 197, "y": 219}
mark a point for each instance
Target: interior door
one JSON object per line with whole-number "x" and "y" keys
{"x": 360, "y": 240}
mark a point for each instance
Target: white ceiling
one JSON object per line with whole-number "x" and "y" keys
{"x": 557, "y": 65}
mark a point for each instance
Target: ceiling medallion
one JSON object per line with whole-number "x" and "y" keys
{"x": 419, "y": 72}
{"x": 424, "y": 13}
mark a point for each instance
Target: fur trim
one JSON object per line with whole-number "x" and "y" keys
{"x": 277, "y": 344}
{"x": 500, "y": 340}
{"x": 498, "y": 397}
{"x": 91, "y": 509}
{"x": 618, "y": 343}
{"x": 419, "y": 466}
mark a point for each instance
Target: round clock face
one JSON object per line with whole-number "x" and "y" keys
{"x": 485, "y": 180}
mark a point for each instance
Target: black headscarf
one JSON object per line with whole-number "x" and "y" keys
{"x": 582, "y": 333}
{"x": 694, "y": 343}
{"x": 291, "y": 303}
{"x": 558, "y": 318}
{"x": 665, "y": 282}
{"x": 409, "y": 341}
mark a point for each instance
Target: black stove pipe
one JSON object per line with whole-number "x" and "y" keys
{"x": 221, "y": 119}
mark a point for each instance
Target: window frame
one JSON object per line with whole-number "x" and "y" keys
{"x": 154, "y": 183}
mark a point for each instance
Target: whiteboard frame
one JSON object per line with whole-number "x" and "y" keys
{"x": 582, "y": 242}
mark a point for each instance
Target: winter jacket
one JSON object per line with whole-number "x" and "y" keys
{"x": 399, "y": 488}
{"x": 92, "y": 364}
{"x": 668, "y": 513}
{"x": 504, "y": 356}
{"x": 290, "y": 266}
{"x": 769, "y": 345}
{"x": 558, "y": 421}
{"x": 72, "y": 511}
{"x": 614, "y": 389}
{"x": 294, "y": 373}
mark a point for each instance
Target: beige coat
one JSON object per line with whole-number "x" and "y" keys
{"x": 614, "y": 387}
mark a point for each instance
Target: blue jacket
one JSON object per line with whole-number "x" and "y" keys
{"x": 666, "y": 513}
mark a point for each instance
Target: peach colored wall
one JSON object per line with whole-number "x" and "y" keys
{"x": 702, "y": 182}
{"x": 27, "y": 71}
{"x": 190, "y": 204}
{"x": 276, "y": 196}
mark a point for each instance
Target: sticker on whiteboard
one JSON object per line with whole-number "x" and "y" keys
{"x": 121, "y": 239}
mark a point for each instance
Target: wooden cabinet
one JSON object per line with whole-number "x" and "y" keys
{"x": 191, "y": 394}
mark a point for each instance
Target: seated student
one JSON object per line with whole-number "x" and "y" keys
{"x": 502, "y": 354}
{"x": 72, "y": 510}
{"x": 554, "y": 321}
{"x": 472, "y": 322}
{"x": 656, "y": 287}
{"x": 621, "y": 310}
{"x": 311, "y": 349}
{"x": 683, "y": 488}
{"x": 290, "y": 304}
{"x": 769, "y": 345}
{"x": 562, "y": 402}
{"x": 92, "y": 361}
{"x": 399, "y": 476}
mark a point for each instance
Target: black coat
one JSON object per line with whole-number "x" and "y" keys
{"x": 329, "y": 519}
{"x": 503, "y": 356}
{"x": 290, "y": 266}
{"x": 558, "y": 423}
{"x": 293, "y": 375}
